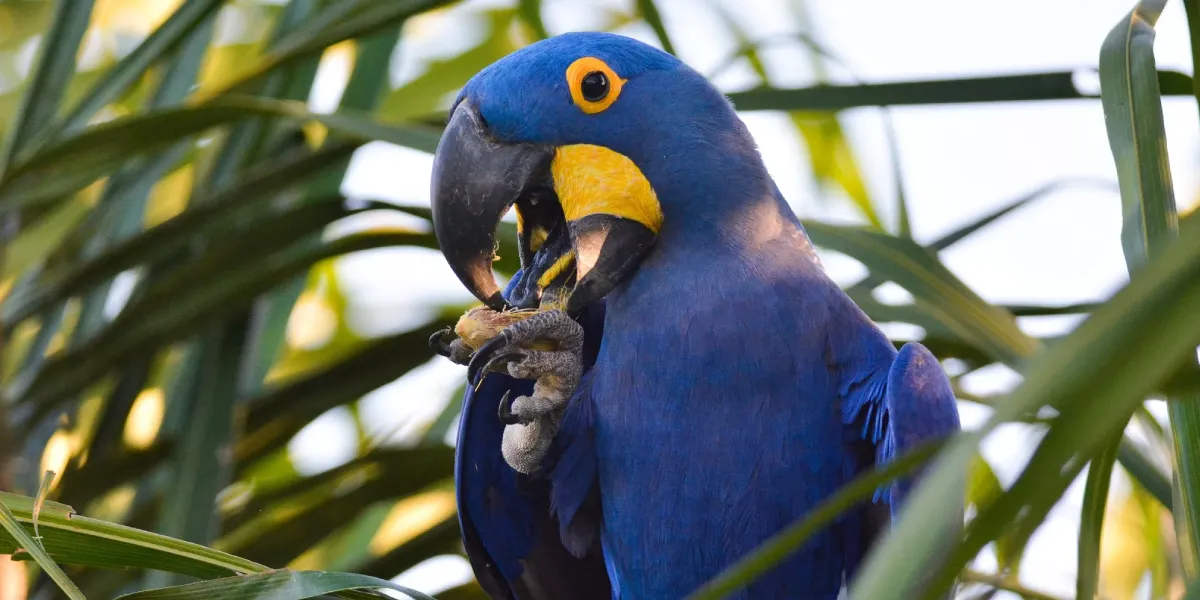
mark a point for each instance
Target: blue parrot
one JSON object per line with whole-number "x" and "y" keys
{"x": 724, "y": 385}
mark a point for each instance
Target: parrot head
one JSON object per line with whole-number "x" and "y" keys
{"x": 600, "y": 143}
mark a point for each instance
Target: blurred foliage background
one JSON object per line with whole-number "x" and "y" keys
{"x": 173, "y": 210}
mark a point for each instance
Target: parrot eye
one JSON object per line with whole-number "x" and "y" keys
{"x": 594, "y": 85}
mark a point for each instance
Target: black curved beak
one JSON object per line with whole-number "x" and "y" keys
{"x": 475, "y": 181}
{"x": 566, "y": 263}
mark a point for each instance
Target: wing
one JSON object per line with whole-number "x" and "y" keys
{"x": 919, "y": 407}
{"x": 510, "y": 536}
{"x": 914, "y": 404}
{"x": 891, "y": 402}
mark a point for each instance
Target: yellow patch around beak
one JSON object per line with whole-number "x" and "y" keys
{"x": 537, "y": 237}
{"x": 595, "y": 180}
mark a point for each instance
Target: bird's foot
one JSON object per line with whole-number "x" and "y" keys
{"x": 546, "y": 347}
{"x": 454, "y": 349}
{"x": 524, "y": 445}
{"x": 555, "y": 374}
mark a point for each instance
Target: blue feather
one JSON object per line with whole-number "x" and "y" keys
{"x": 486, "y": 486}
{"x": 574, "y": 474}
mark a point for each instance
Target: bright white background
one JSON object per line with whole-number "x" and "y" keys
{"x": 958, "y": 163}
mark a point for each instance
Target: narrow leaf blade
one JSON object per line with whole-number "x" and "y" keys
{"x": 649, "y": 12}
{"x": 159, "y": 43}
{"x": 78, "y": 540}
{"x": 1051, "y": 85}
{"x": 34, "y": 547}
{"x": 282, "y": 584}
{"x": 52, "y": 72}
{"x": 1091, "y": 520}
{"x": 1131, "y": 97}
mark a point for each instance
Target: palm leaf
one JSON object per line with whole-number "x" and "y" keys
{"x": 275, "y": 585}
{"x": 169, "y": 36}
{"x": 52, "y": 73}
{"x": 1137, "y": 137}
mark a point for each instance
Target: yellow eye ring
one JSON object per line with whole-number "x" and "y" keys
{"x": 594, "y": 85}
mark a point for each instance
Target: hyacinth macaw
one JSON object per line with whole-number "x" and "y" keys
{"x": 724, "y": 384}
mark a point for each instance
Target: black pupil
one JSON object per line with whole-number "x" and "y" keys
{"x": 594, "y": 86}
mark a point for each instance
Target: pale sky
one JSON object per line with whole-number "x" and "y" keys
{"x": 958, "y": 163}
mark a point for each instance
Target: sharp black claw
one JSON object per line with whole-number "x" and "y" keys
{"x": 500, "y": 360}
{"x": 438, "y": 343}
{"x": 505, "y": 411}
{"x": 482, "y": 358}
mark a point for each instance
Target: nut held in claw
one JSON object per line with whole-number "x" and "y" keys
{"x": 481, "y": 324}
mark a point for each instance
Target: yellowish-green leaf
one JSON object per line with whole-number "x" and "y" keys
{"x": 832, "y": 159}
{"x": 317, "y": 334}
{"x": 52, "y": 73}
{"x": 160, "y": 42}
{"x": 35, "y": 243}
{"x": 19, "y": 538}
{"x": 423, "y": 95}
{"x": 337, "y": 22}
{"x": 983, "y": 487}
{"x": 1133, "y": 545}
{"x": 77, "y": 540}
{"x": 1091, "y": 520}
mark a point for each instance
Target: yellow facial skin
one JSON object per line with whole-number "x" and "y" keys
{"x": 537, "y": 236}
{"x": 595, "y": 180}
{"x": 556, "y": 269}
